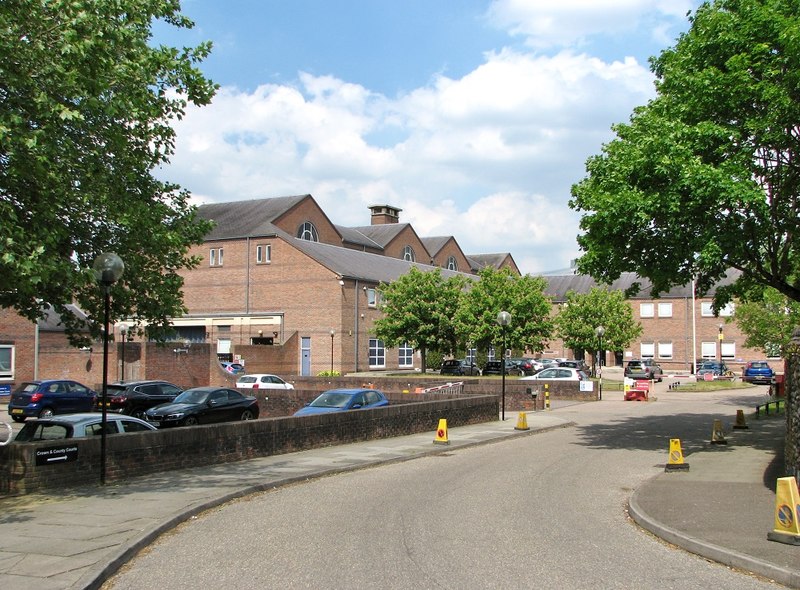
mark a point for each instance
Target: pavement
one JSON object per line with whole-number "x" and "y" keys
{"x": 721, "y": 508}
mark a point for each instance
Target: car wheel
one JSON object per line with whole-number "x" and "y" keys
{"x": 46, "y": 413}
{"x": 191, "y": 421}
{"x": 18, "y": 418}
{"x": 247, "y": 415}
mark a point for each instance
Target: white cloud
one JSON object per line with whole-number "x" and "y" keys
{"x": 488, "y": 157}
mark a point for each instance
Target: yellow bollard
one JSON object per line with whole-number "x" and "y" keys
{"x": 522, "y": 422}
{"x": 717, "y": 435}
{"x": 787, "y": 512}
{"x": 546, "y": 396}
{"x": 675, "y": 462}
{"x": 740, "y": 421}
{"x": 441, "y": 433}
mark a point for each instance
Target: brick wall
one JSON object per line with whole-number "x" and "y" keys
{"x": 139, "y": 454}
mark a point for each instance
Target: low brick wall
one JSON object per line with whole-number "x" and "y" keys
{"x": 132, "y": 455}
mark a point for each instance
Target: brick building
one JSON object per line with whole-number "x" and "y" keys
{"x": 285, "y": 290}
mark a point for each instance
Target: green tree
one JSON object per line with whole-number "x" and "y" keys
{"x": 501, "y": 290}
{"x": 583, "y": 313}
{"x": 418, "y": 308}
{"x": 705, "y": 177}
{"x": 86, "y": 104}
{"x": 768, "y": 323}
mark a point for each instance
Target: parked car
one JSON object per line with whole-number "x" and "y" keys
{"x": 644, "y": 369}
{"x": 558, "y": 374}
{"x": 717, "y": 370}
{"x": 574, "y": 364}
{"x": 135, "y": 397}
{"x": 547, "y": 363}
{"x": 79, "y": 426}
{"x": 495, "y": 368}
{"x": 44, "y": 398}
{"x": 458, "y": 367}
{"x": 758, "y": 372}
{"x": 235, "y": 368}
{"x": 262, "y": 381}
{"x": 527, "y": 366}
{"x": 204, "y": 405}
{"x": 341, "y": 400}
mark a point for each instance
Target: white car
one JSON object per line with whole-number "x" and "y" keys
{"x": 262, "y": 381}
{"x": 558, "y": 374}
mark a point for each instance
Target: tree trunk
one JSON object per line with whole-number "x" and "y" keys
{"x": 423, "y": 354}
{"x": 792, "y": 391}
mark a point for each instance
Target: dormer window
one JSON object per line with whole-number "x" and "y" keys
{"x": 408, "y": 254}
{"x": 308, "y": 232}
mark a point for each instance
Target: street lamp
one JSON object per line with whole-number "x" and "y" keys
{"x": 332, "y": 333}
{"x": 123, "y": 332}
{"x": 108, "y": 268}
{"x": 503, "y": 318}
{"x": 719, "y": 348}
{"x": 599, "y": 331}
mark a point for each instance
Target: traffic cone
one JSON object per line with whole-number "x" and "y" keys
{"x": 441, "y": 433}
{"x": 522, "y": 422}
{"x": 740, "y": 422}
{"x": 787, "y": 512}
{"x": 675, "y": 462}
{"x": 717, "y": 436}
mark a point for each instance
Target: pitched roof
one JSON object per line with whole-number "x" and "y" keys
{"x": 381, "y": 234}
{"x": 251, "y": 218}
{"x": 478, "y": 261}
{"x": 435, "y": 243}
{"x": 354, "y": 264}
{"x": 352, "y": 235}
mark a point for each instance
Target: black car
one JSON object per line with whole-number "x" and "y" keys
{"x": 495, "y": 368}
{"x": 204, "y": 405}
{"x": 526, "y": 366}
{"x": 135, "y": 397}
{"x": 459, "y": 367}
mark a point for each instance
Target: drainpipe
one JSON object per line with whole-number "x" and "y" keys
{"x": 355, "y": 305}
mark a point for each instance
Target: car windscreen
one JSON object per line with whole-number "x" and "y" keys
{"x": 33, "y": 431}
{"x": 192, "y": 397}
{"x": 331, "y": 400}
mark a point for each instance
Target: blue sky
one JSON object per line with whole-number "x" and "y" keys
{"x": 474, "y": 117}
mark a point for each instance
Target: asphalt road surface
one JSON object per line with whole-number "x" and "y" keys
{"x": 539, "y": 511}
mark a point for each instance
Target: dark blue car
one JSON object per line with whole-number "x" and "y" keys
{"x": 758, "y": 372}
{"x": 341, "y": 400}
{"x": 43, "y": 399}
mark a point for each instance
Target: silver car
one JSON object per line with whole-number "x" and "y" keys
{"x": 79, "y": 426}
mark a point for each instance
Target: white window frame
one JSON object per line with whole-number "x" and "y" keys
{"x": 308, "y": 231}
{"x": 452, "y": 263}
{"x": 708, "y": 350}
{"x": 647, "y": 350}
{"x": 215, "y": 257}
{"x": 7, "y": 370}
{"x": 728, "y": 350}
{"x": 377, "y": 354}
{"x": 263, "y": 253}
{"x": 665, "y": 310}
{"x": 409, "y": 254}
{"x": 405, "y": 355}
{"x": 647, "y": 310}
{"x": 372, "y": 297}
{"x": 707, "y": 311}
{"x": 665, "y": 350}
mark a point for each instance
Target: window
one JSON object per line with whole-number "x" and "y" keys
{"x": 708, "y": 350}
{"x": 263, "y": 253}
{"x": 648, "y": 350}
{"x": 472, "y": 355}
{"x": 728, "y": 350}
{"x": 215, "y": 257}
{"x": 665, "y": 310}
{"x": 308, "y": 232}
{"x": 377, "y": 353}
{"x": 646, "y": 310}
{"x": 408, "y": 254}
{"x": 6, "y": 362}
{"x": 665, "y": 350}
{"x": 372, "y": 297}
{"x": 451, "y": 263}
{"x": 707, "y": 311}
{"x": 405, "y": 355}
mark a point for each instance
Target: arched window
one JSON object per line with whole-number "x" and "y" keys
{"x": 308, "y": 232}
{"x": 408, "y": 254}
{"x": 452, "y": 264}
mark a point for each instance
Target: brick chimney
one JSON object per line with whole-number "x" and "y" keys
{"x": 383, "y": 214}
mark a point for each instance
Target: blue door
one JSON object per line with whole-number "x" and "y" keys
{"x": 305, "y": 356}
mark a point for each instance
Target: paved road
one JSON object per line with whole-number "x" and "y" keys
{"x": 544, "y": 511}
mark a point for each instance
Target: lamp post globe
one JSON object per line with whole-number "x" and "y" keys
{"x": 108, "y": 268}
